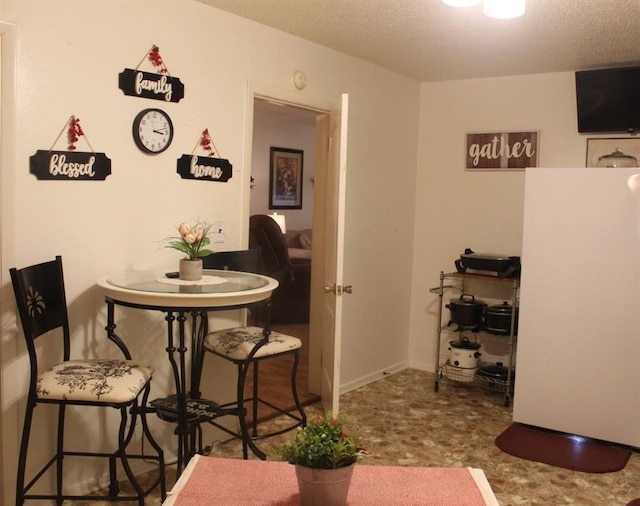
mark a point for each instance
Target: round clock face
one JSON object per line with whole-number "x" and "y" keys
{"x": 152, "y": 131}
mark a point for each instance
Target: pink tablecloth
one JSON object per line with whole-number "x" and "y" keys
{"x": 230, "y": 482}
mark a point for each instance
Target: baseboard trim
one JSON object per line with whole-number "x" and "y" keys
{"x": 422, "y": 366}
{"x": 370, "y": 378}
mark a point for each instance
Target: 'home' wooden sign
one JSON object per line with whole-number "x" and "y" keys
{"x": 204, "y": 168}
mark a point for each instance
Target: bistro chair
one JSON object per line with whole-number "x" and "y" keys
{"x": 246, "y": 347}
{"x": 119, "y": 384}
{"x": 199, "y": 411}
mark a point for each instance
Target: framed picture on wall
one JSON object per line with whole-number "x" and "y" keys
{"x": 613, "y": 149}
{"x": 285, "y": 178}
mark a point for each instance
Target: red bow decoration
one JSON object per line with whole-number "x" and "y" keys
{"x": 156, "y": 59}
{"x": 205, "y": 142}
{"x": 74, "y": 132}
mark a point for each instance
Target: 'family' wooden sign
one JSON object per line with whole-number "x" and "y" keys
{"x": 502, "y": 151}
{"x": 137, "y": 83}
{"x": 158, "y": 85}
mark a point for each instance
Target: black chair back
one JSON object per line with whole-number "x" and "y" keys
{"x": 241, "y": 260}
{"x": 41, "y": 302}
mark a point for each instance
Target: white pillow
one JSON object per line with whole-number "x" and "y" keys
{"x": 305, "y": 239}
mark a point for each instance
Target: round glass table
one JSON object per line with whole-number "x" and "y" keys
{"x": 182, "y": 301}
{"x": 217, "y": 289}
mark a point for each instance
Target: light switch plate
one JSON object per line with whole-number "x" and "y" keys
{"x": 218, "y": 232}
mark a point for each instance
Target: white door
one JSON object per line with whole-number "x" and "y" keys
{"x": 333, "y": 258}
{"x": 328, "y": 220}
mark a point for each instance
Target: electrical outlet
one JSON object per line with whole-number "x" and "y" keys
{"x": 219, "y": 232}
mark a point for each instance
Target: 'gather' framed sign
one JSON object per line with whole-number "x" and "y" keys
{"x": 502, "y": 151}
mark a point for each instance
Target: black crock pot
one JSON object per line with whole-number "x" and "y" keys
{"x": 497, "y": 319}
{"x": 495, "y": 372}
{"x": 466, "y": 311}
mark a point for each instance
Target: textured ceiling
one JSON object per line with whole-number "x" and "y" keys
{"x": 429, "y": 41}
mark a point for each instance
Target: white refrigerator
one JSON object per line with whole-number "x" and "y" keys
{"x": 578, "y": 349}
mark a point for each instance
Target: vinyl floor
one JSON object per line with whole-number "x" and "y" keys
{"x": 404, "y": 422}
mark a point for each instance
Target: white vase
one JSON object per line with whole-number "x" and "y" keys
{"x": 323, "y": 487}
{"x": 191, "y": 270}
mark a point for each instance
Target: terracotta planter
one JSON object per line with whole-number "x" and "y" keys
{"x": 190, "y": 270}
{"x": 323, "y": 487}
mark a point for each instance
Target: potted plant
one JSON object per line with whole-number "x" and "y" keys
{"x": 324, "y": 455}
{"x": 192, "y": 241}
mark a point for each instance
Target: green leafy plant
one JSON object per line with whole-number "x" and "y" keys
{"x": 323, "y": 444}
{"x": 192, "y": 240}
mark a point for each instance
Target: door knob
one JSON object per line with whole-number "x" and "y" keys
{"x": 337, "y": 289}
{"x": 330, "y": 289}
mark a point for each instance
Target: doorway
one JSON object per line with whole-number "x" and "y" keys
{"x": 9, "y": 426}
{"x": 282, "y": 125}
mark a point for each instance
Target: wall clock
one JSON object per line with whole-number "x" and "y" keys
{"x": 152, "y": 131}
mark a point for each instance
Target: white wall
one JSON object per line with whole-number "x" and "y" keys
{"x": 271, "y": 131}
{"x": 68, "y": 56}
{"x": 458, "y": 209}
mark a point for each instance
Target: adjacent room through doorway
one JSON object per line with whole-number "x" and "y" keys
{"x": 288, "y": 132}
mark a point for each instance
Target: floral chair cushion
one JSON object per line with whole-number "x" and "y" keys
{"x": 98, "y": 380}
{"x": 237, "y": 343}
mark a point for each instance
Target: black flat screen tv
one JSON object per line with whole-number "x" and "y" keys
{"x": 608, "y": 100}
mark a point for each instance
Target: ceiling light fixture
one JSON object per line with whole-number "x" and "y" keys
{"x": 504, "y": 9}
{"x": 500, "y": 9}
{"x": 461, "y": 3}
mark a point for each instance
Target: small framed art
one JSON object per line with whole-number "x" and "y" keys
{"x": 622, "y": 149}
{"x": 285, "y": 178}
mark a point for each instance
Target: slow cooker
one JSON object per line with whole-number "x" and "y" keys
{"x": 464, "y": 353}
